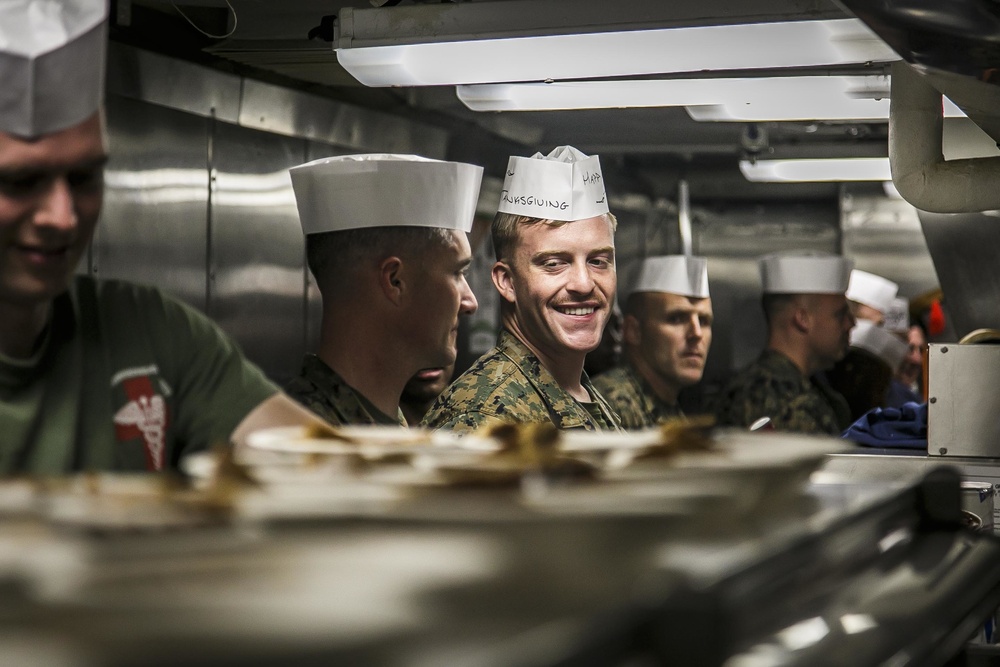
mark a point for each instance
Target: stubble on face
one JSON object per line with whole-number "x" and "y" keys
{"x": 51, "y": 191}
{"x": 563, "y": 280}
{"x": 676, "y": 336}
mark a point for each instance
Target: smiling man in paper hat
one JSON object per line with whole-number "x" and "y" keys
{"x": 667, "y": 334}
{"x": 808, "y": 327}
{"x": 96, "y": 374}
{"x": 386, "y": 240}
{"x": 554, "y": 241}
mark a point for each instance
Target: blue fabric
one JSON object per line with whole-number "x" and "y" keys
{"x": 904, "y": 427}
{"x": 898, "y": 394}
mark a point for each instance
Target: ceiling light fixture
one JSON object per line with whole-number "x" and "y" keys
{"x": 817, "y": 170}
{"x": 612, "y": 54}
{"x": 787, "y": 98}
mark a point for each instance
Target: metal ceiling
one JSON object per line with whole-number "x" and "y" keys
{"x": 652, "y": 148}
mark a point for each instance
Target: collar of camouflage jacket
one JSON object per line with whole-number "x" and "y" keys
{"x": 572, "y": 412}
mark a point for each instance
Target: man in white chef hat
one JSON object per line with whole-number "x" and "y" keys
{"x": 864, "y": 376}
{"x": 667, "y": 333}
{"x": 386, "y": 239}
{"x": 555, "y": 271}
{"x": 808, "y": 323}
{"x": 871, "y": 296}
{"x": 96, "y": 374}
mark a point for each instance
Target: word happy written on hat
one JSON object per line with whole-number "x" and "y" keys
{"x": 564, "y": 185}
{"x": 385, "y": 190}
{"x": 51, "y": 64}
{"x": 675, "y": 274}
{"x": 872, "y": 290}
{"x": 804, "y": 272}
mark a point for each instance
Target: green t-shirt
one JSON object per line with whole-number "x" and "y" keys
{"x": 126, "y": 379}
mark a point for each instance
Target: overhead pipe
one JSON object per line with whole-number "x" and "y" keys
{"x": 919, "y": 171}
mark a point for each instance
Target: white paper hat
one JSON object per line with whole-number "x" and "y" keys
{"x": 676, "y": 274}
{"x": 51, "y": 63}
{"x": 382, "y": 190}
{"x": 563, "y": 185}
{"x": 885, "y": 345}
{"x": 897, "y": 318}
{"x": 804, "y": 273}
{"x": 871, "y": 290}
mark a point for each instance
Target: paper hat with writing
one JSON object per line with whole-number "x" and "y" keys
{"x": 804, "y": 272}
{"x": 885, "y": 345}
{"x": 563, "y": 185}
{"x": 383, "y": 190}
{"x": 676, "y": 274}
{"x": 871, "y": 290}
{"x": 897, "y": 318}
{"x": 51, "y": 64}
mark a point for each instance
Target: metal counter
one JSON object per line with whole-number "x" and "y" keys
{"x": 839, "y": 574}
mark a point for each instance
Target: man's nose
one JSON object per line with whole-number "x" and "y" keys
{"x": 56, "y": 207}
{"x": 469, "y": 304}
{"x": 580, "y": 279}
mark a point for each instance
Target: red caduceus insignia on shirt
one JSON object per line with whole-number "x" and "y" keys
{"x": 143, "y": 416}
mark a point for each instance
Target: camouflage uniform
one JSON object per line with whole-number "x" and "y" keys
{"x": 774, "y": 387}
{"x": 633, "y": 398}
{"x": 320, "y": 389}
{"x": 509, "y": 384}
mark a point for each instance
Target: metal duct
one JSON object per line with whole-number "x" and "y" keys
{"x": 919, "y": 170}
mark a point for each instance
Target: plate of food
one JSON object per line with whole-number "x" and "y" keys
{"x": 372, "y": 442}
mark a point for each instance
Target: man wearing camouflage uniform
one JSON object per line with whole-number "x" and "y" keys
{"x": 667, "y": 334}
{"x": 386, "y": 242}
{"x": 809, "y": 322}
{"x": 554, "y": 241}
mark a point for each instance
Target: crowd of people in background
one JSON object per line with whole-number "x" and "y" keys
{"x": 144, "y": 380}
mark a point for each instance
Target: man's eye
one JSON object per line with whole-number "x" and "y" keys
{"x": 21, "y": 185}
{"x": 85, "y": 178}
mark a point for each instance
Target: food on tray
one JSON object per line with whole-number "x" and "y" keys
{"x": 317, "y": 431}
{"x": 524, "y": 449}
{"x": 682, "y": 434}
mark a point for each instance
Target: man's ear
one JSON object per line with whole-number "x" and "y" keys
{"x": 391, "y": 279}
{"x": 503, "y": 280}
{"x": 631, "y": 330}
{"x": 802, "y": 318}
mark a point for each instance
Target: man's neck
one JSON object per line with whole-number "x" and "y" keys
{"x": 367, "y": 364}
{"x": 21, "y": 327}
{"x": 666, "y": 391}
{"x": 796, "y": 356}
{"x": 566, "y": 367}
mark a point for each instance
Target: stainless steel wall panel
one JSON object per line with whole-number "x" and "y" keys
{"x": 257, "y": 268}
{"x": 153, "y": 226}
{"x": 883, "y": 236}
{"x": 965, "y": 247}
{"x": 285, "y": 111}
{"x": 173, "y": 83}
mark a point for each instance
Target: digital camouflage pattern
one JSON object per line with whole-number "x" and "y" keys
{"x": 774, "y": 387}
{"x": 320, "y": 389}
{"x": 510, "y": 384}
{"x": 632, "y": 397}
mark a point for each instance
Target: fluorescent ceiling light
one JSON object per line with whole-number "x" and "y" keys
{"x": 817, "y": 170}
{"x": 855, "y": 98}
{"x": 804, "y": 106}
{"x": 827, "y": 96}
{"x": 612, "y": 54}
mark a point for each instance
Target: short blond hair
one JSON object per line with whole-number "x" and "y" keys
{"x": 505, "y": 228}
